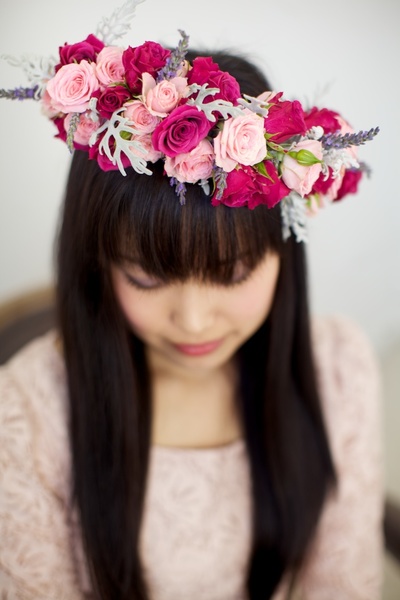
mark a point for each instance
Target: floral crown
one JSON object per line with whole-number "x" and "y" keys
{"x": 130, "y": 107}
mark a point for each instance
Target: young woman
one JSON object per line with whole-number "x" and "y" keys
{"x": 187, "y": 432}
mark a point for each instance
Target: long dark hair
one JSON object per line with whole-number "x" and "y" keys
{"x": 107, "y": 216}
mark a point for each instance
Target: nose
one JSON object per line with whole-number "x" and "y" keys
{"x": 194, "y": 310}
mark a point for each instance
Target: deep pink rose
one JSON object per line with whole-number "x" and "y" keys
{"x": 322, "y": 185}
{"x": 181, "y": 131}
{"x": 325, "y": 118}
{"x": 350, "y": 183}
{"x": 206, "y": 71}
{"x": 111, "y": 99}
{"x": 104, "y": 163}
{"x": 285, "y": 119}
{"x": 86, "y": 50}
{"x": 150, "y": 57}
{"x": 247, "y": 187}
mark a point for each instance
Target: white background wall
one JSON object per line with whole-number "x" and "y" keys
{"x": 343, "y": 53}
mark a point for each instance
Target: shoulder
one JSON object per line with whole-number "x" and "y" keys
{"x": 33, "y": 408}
{"x": 345, "y": 559}
{"x": 347, "y": 375}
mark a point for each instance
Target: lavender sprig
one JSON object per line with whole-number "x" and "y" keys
{"x": 73, "y": 126}
{"x": 175, "y": 60}
{"x": 20, "y": 93}
{"x": 180, "y": 190}
{"x": 337, "y": 141}
{"x": 220, "y": 181}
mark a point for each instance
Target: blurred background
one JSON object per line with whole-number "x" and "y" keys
{"x": 343, "y": 55}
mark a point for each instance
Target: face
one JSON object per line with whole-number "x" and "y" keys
{"x": 193, "y": 326}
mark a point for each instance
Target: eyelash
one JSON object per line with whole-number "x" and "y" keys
{"x": 131, "y": 281}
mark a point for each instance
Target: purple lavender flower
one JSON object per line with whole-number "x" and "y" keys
{"x": 20, "y": 93}
{"x": 175, "y": 60}
{"x": 337, "y": 141}
{"x": 180, "y": 190}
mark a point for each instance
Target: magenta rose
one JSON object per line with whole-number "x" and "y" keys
{"x": 350, "y": 183}
{"x": 86, "y": 50}
{"x": 325, "y": 118}
{"x": 181, "y": 131}
{"x": 206, "y": 71}
{"x": 111, "y": 99}
{"x": 322, "y": 185}
{"x": 285, "y": 119}
{"x": 105, "y": 163}
{"x": 150, "y": 57}
{"x": 247, "y": 187}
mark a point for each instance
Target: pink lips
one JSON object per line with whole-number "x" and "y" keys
{"x": 198, "y": 349}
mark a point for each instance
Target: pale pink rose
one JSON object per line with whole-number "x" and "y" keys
{"x": 161, "y": 98}
{"x": 72, "y": 87}
{"x": 298, "y": 177}
{"x": 240, "y": 141}
{"x": 47, "y": 107}
{"x": 192, "y": 166}
{"x": 141, "y": 118}
{"x": 109, "y": 67}
{"x": 84, "y": 130}
{"x": 332, "y": 192}
{"x": 147, "y": 152}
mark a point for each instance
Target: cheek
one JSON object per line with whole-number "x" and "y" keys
{"x": 252, "y": 304}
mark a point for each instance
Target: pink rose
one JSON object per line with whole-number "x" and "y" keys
{"x": 75, "y": 53}
{"x": 47, "y": 107}
{"x": 109, "y": 67}
{"x": 298, "y": 177}
{"x": 285, "y": 119}
{"x": 325, "y": 118}
{"x": 72, "y": 87}
{"x": 111, "y": 99}
{"x": 140, "y": 117}
{"x": 204, "y": 70}
{"x": 240, "y": 141}
{"x": 192, "y": 166}
{"x": 247, "y": 187}
{"x": 161, "y": 98}
{"x": 85, "y": 128}
{"x": 181, "y": 131}
{"x": 150, "y": 57}
{"x": 350, "y": 183}
{"x": 147, "y": 152}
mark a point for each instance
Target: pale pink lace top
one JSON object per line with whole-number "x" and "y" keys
{"x": 195, "y": 536}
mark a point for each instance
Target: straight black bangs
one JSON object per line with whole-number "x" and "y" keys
{"x": 141, "y": 220}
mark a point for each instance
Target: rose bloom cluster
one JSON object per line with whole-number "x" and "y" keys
{"x": 259, "y": 155}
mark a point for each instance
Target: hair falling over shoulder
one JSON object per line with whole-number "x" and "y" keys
{"x": 107, "y": 216}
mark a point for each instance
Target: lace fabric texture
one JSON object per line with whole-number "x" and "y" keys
{"x": 196, "y": 532}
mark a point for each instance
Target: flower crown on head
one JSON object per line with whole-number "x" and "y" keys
{"x": 130, "y": 107}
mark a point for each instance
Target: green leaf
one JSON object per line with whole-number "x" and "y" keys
{"x": 260, "y": 167}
